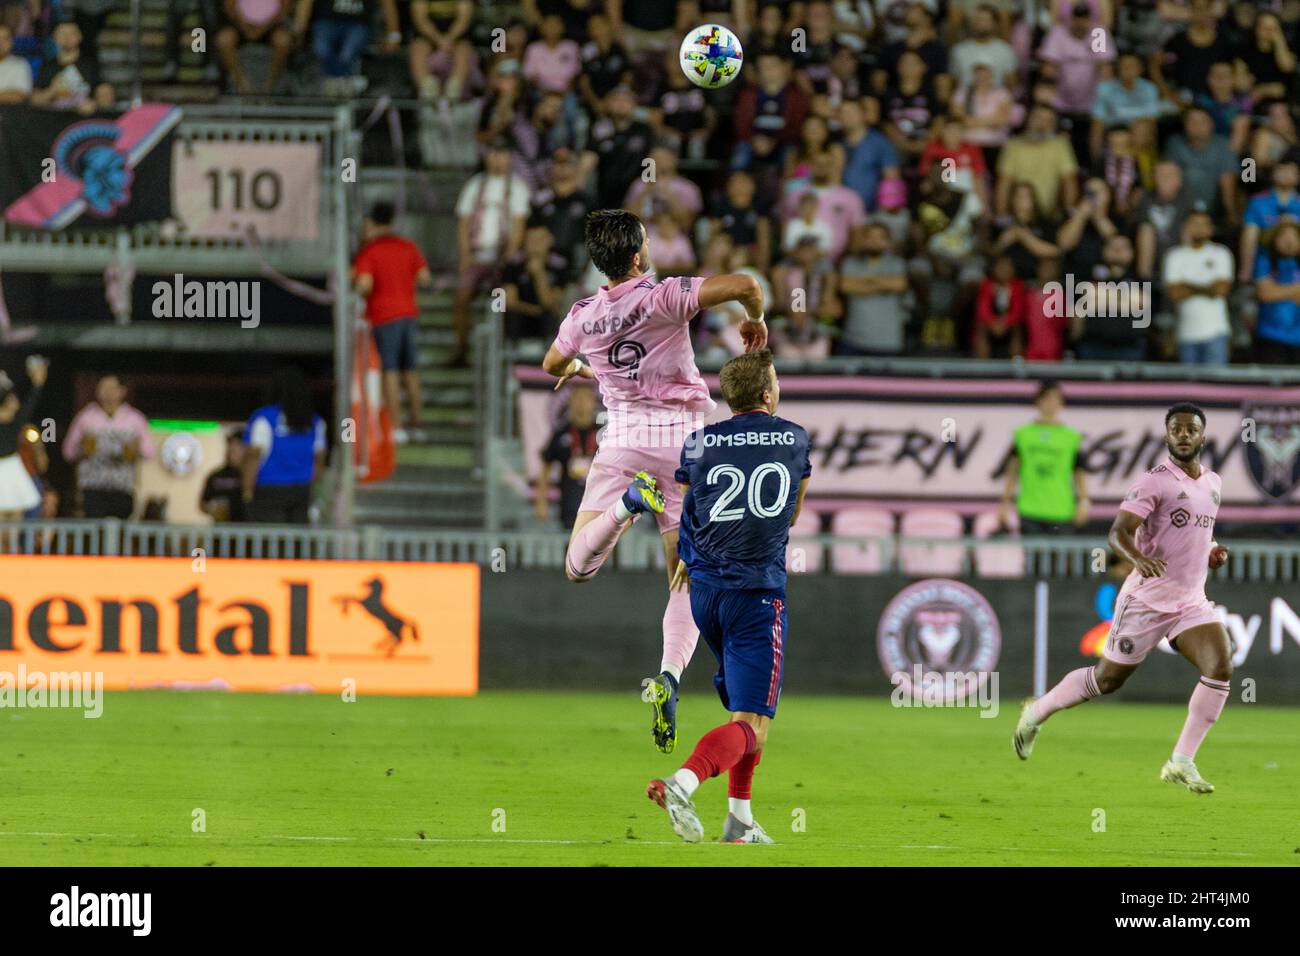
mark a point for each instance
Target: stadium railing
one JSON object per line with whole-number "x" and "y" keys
{"x": 1044, "y": 557}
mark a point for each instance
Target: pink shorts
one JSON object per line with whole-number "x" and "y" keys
{"x": 1136, "y": 629}
{"x": 615, "y": 466}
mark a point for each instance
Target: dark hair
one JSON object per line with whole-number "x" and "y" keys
{"x": 382, "y": 213}
{"x": 1045, "y": 386}
{"x": 1184, "y": 408}
{"x": 1281, "y": 227}
{"x": 293, "y": 396}
{"x": 744, "y": 379}
{"x": 613, "y": 237}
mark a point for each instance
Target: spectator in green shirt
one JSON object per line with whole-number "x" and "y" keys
{"x": 1044, "y": 477}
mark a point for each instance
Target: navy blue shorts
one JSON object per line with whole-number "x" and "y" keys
{"x": 395, "y": 342}
{"x": 745, "y": 629}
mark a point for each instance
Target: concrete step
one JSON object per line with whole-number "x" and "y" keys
{"x": 439, "y": 376}
{"x": 440, "y": 456}
{"x": 399, "y": 516}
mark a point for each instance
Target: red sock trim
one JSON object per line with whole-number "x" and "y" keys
{"x": 751, "y": 738}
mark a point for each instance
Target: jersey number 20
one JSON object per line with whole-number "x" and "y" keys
{"x": 752, "y": 486}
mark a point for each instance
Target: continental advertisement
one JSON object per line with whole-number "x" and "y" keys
{"x": 323, "y": 626}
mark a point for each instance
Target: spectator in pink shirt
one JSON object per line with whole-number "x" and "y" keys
{"x": 105, "y": 441}
{"x": 1072, "y": 54}
{"x": 838, "y": 206}
{"x": 666, "y": 189}
{"x": 672, "y": 251}
{"x": 552, "y": 63}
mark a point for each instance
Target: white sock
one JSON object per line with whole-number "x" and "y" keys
{"x": 621, "y": 513}
{"x": 686, "y": 780}
{"x": 1180, "y": 758}
{"x": 740, "y": 810}
{"x": 672, "y": 669}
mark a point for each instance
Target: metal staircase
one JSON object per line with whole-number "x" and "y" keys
{"x": 438, "y": 482}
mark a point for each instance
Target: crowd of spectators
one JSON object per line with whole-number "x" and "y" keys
{"x": 905, "y": 176}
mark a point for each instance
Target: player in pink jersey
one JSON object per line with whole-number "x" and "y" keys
{"x": 636, "y": 338}
{"x": 1165, "y": 527}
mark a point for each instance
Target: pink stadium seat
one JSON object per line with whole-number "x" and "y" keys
{"x": 927, "y": 560}
{"x": 808, "y": 525}
{"x": 861, "y": 558}
{"x": 1006, "y": 558}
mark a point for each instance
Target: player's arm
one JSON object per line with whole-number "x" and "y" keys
{"x": 1009, "y": 490}
{"x": 798, "y": 502}
{"x": 1121, "y": 542}
{"x": 681, "y": 577}
{"x": 1082, "y": 504}
{"x": 565, "y": 366}
{"x": 742, "y": 288}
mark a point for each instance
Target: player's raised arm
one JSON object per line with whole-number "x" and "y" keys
{"x": 743, "y": 288}
{"x": 1121, "y": 542}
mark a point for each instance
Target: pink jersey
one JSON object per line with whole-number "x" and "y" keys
{"x": 1179, "y": 528}
{"x": 636, "y": 338}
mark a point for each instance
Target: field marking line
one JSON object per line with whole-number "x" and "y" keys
{"x": 625, "y": 842}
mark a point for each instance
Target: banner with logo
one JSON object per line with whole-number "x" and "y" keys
{"x": 221, "y": 189}
{"x": 901, "y": 442}
{"x": 58, "y": 167}
{"x": 388, "y": 628}
{"x": 945, "y": 639}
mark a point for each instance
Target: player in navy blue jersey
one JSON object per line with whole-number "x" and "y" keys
{"x": 744, "y": 481}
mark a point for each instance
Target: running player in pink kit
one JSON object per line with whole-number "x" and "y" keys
{"x": 635, "y": 334}
{"x": 1165, "y": 527}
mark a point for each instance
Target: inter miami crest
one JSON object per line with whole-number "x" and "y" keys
{"x": 1273, "y": 458}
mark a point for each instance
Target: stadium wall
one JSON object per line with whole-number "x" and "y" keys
{"x": 539, "y": 631}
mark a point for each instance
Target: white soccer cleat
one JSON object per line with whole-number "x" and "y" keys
{"x": 1185, "y": 772}
{"x": 1026, "y": 730}
{"x": 681, "y": 811}
{"x": 733, "y": 831}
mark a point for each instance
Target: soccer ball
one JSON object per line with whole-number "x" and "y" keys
{"x": 711, "y": 56}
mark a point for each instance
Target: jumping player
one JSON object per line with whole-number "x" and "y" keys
{"x": 744, "y": 482}
{"x": 1165, "y": 527}
{"x": 635, "y": 334}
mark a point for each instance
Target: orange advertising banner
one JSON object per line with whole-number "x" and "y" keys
{"x": 386, "y": 627}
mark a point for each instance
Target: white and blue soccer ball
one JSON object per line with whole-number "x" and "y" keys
{"x": 711, "y": 56}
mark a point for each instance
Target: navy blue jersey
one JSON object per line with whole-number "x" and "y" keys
{"x": 743, "y": 483}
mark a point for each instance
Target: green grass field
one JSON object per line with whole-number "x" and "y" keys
{"x": 305, "y": 780}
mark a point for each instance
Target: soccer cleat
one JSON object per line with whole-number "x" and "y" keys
{"x": 643, "y": 495}
{"x": 733, "y": 831}
{"x": 1185, "y": 772}
{"x": 1026, "y": 730}
{"x": 661, "y": 694}
{"x": 681, "y": 811}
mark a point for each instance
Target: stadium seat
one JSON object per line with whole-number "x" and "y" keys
{"x": 925, "y": 560}
{"x": 804, "y": 555}
{"x": 870, "y": 558}
{"x": 1004, "y": 559}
